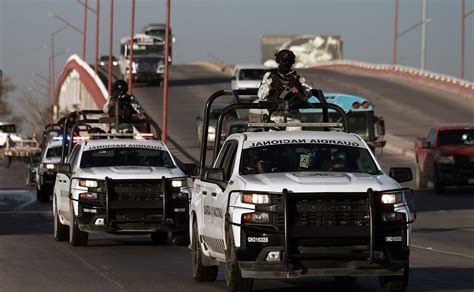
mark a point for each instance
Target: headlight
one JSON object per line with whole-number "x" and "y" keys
{"x": 446, "y": 160}
{"x": 88, "y": 183}
{"x": 88, "y": 196}
{"x": 393, "y": 198}
{"x": 257, "y": 199}
{"x": 50, "y": 166}
{"x": 177, "y": 183}
{"x": 212, "y": 130}
{"x": 102, "y": 63}
{"x": 115, "y": 63}
{"x": 257, "y": 217}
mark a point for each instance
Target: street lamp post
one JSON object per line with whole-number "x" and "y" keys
{"x": 97, "y": 16}
{"x": 396, "y": 35}
{"x": 130, "y": 64}
{"x": 165, "y": 75}
{"x": 111, "y": 37}
{"x": 464, "y": 15}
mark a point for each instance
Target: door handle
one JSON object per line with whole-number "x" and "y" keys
{"x": 204, "y": 193}
{"x": 213, "y": 194}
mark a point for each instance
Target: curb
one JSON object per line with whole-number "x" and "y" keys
{"x": 400, "y": 146}
{"x": 215, "y": 66}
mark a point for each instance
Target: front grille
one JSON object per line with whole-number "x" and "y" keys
{"x": 325, "y": 212}
{"x": 147, "y": 67}
{"x": 330, "y": 212}
{"x": 464, "y": 160}
{"x": 139, "y": 191}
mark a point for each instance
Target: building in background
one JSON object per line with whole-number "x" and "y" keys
{"x": 309, "y": 49}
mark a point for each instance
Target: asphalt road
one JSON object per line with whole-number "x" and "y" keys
{"x": 31, "y": 260}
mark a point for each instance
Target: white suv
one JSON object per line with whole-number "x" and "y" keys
{"x": 303, "y": 203}
{"x": 121, "y": 186}
{"x": 248, "y": 76}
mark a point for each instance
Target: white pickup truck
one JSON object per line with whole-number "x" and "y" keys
{"x": 287, "y": 204}
{"x": 120, "y": 186}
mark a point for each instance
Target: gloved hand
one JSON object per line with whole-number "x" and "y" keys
{"x": 276, "y": 85}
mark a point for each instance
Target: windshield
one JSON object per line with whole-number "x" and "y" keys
{"x": 161, "y": 33}
{"x": 54, "y": 152}
{"x": 456, "y": 137}
{"x": 251, "y": 74}
{"x": 144, "y": 50}
{"x": 307, "y": 157}
{"x": 126, "y": 157}
{"x": 8, "y": 129}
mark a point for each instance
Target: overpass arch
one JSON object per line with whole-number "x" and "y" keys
{"x": 78, "y": 87}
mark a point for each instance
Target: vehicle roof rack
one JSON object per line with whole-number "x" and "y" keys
{"x": 271, "y": 106}
{"x": 85, "y": 121}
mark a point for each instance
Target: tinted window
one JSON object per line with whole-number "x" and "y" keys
{"x": 126, "y": 157}
{"x": 456, "y": 137}
{"x": 251, "y": 74}
{"x": 54, "y": 152}
{"x": 8, "y": 129}
{"x": 307, "y": 157}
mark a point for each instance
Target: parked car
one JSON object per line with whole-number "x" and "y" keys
{"x": 446, "y": 157}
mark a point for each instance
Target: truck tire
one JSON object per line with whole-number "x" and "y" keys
{"x": 42, "y": 195}
{"x": 76, "y": 236}
{"x": 201, "y": 273}
{"x": 61, "y": 232}
{"x": 159, "y": 237}
{"x": 438, "y": 183}
{"x": 233, "y": 276}
{"x": 395, "y": 283}
{"x": 180, "y": 238}
{"x": 421, "y": 180}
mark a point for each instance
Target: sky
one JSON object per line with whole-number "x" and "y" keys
{"x": 230, "y": 30}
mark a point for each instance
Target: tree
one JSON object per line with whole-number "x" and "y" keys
{"x": 6, "y": 87}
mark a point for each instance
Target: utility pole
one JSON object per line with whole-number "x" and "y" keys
{"x": 84, "y": 31}
{"x": 165, "y": 76}
{"x": 423, "y": 37}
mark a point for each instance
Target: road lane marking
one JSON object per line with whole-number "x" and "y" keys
{"x": 92, "y": 267}
{"x": 429, "y": 248}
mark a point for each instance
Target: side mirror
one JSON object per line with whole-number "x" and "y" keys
{"x": 189, "y": 168}
{"x": 380, "y": 127}
{"x": 214, "y": 174}
{"x": 426, "y": 144}
{"x": 401, "y": 174}
{"x": 65, "y": 168}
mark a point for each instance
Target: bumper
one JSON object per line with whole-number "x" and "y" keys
{"x": 47, "y": 179}
{"x": 97, "y": 219}
{"x": 455, "y": 175}
{"x": 146, "y": 76}
{"x": 305, "y": 249}
{"x": 319, "y": 268}
{"x": 133, "y": 206}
